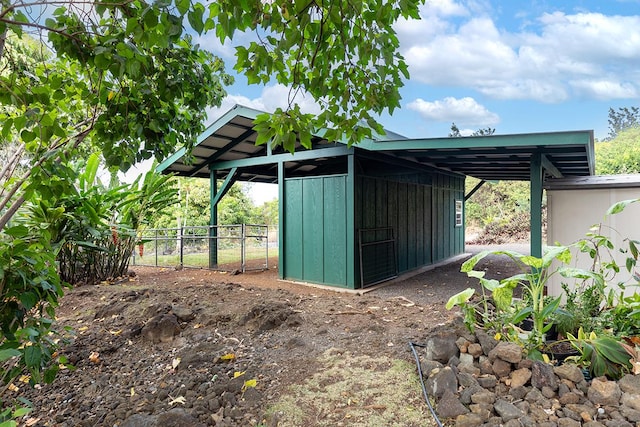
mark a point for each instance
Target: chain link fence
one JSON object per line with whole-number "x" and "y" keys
{"x": 240, "y": 247}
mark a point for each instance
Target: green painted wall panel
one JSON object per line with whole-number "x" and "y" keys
{"x": 312, "y": 224}
{"x": 293, "y": 229}
{"x": 402, "y": 230}
{"x": 412, "y": 238}
{"x": 392, "y": 209}
{"x": 448, "y": 239}
{"x": 368, "y": 211}
{"x": 419, "y": 231}
{"x": 427, "y": 221}
{"x": 335, "y": 231}
{"x": 381, "y": 206}
{"x": 404, "y": 206}
{"x": 315, "y": 236}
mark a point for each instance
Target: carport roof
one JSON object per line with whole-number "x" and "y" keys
{"x": 230, "y": 141}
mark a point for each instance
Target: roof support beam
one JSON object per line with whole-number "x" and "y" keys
{"x": 550, "y": 167}
{"x": 220, "y": 151}
{"x": 341, "y": 150}
{"x": 226, "y": 185}
{"x": 214, "y": 197}
{"x": 476, "y": 188}
{"x": 404, "y": 162}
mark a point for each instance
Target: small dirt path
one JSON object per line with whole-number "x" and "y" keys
{"x": 244, "y": 350}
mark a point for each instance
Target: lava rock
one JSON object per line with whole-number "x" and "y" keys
{"x": 161, "y": 328}
{"x": 604, "y": 392}
{"x": 542, "y": 375}
{"x": 449, "y": 406}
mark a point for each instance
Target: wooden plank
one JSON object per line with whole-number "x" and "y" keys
{"x": 359, "y": 182}
{"x": 352, "y": 275}
{"x": 392, "y": 220}
{"x": 312, "y": 226}
{"x": 402, "y": 239}
{"x": 369, "y": 203}
{"x": 420, "y": 238}
{"x": 440, "y": 229}
{"x": 412, "y": 237}
{"x": 428, "y": 225}
{"x": 382, "y": 206}
{"x": 293, "y": 229}
{"x": 357, "y": 224}
{"x": 537, "y": 179}
{"x": 335, "y": 231}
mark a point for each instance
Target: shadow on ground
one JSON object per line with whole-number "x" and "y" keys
{"x": 437, "y": 285}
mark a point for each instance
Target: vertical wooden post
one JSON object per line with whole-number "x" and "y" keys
{"x": 213, "y": 220}
{"x": 537, "y": 176}
{"x": 351, "y": 217}
{"x": 281, "y": 220}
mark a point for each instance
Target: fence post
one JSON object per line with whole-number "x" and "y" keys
{"x": 266, "y": 264}
{"x": 213, "y": 246}
{"x": 243, "y": 239}
{"x": 181, "y": 239}
{"x": 155, "y": 242}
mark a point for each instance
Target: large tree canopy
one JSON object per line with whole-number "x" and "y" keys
{"x": 127, "y": 76}
{"x": 125, "y": 79}
{"x": 621, "y": 119}
{"x": 344, "y": 53}
{"x": 619, "y": 155}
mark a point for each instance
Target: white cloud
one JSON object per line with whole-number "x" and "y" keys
{"x": 445, "y": 8}
{"x": 557, "y": 57}
{"x": 271, "y": 98}
{"x": 604, "y": 89}
{"x": 464, "y": 111}
{"x": 211, "y": 42}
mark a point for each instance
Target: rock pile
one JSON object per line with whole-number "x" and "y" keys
{"x": 477, "y": 381}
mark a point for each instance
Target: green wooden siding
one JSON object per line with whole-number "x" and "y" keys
{"x": 386, "y": 203}
{"x": 421, "y": 210}
{"x": 293, "y": 220}
{"x": 315, "y": 236}
{"x": 335, "y": 231}
{"x": 312, "y": 222}
{"x": 317, "y": 225}
{"x": 450, "y": 239}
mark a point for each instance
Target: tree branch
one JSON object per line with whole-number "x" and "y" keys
{"x": 17, "y": 203}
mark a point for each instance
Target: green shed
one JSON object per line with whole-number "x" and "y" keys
{"x": 354, "y": 216}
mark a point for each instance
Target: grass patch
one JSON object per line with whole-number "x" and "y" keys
{"x": 355, "y": 391}
{"x": 201, "y": 259}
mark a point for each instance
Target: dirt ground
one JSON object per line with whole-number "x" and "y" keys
{"x": 247, "y": 350}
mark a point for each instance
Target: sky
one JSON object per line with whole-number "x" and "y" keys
{"x": 516, "y": 66}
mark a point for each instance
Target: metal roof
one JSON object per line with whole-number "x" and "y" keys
{"x": 594, "y": 182}
{"x": 230, "y": 141}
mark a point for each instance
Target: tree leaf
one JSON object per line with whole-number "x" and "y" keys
{"x": 183, "y": 6}
{"x": 460, "y": 298}
{"x": 620, "y": 206}
{"x": 32, "y": 356}
{"x": 195, "y": 17}
{"x": 8, "y": 353}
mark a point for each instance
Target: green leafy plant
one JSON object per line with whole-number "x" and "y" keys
{"x": 97, "y": 226}
{"x": 533, "y": 280}
{"x": 623, "y": 317}
{"x": 602, "y": 355}
{"x": 9, "y": 415}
